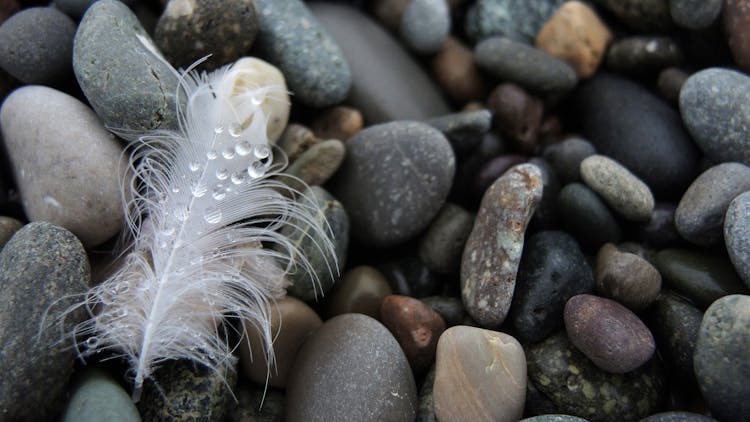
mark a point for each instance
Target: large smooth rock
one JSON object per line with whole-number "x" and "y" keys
{"x": 351, "y": 368}
{"x": 394, "y": 180}
{"x": 66, "y": 164}
{"x": 516, "y": 19}
{"x": 99, "y": 397}
{"x": 737, "y": 235}
{"x": 43, "y": 271}
{"x": 386, "y": 82}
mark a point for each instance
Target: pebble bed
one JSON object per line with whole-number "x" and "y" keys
{"x": 540, "y": 208}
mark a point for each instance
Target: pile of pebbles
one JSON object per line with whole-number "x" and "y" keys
{"x": 541, "y": 208}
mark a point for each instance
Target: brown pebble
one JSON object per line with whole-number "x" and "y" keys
{"x": 456, "y": 72}
{"x": 339, "y": 122}
{"x": 517, "y": 115}
{"x": 361, "y": 290}
{"x": 8, "y": 227}
{"x": 416, "y": 326}
{"x": 609, "y": 334}
{"x": 295, "y": 140}
{"x": 626, "y": 278}
{"x": 576, "y": 35}
{"x": 737, "y": 27}
{"x": 389, "y": 12}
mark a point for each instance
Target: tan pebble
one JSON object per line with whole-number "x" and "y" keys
{"x": 456, "y": 72}
{"x": 338, "y": 123}
{"x": 295, "y": 140}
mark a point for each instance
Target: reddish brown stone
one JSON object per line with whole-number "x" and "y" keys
{"x": 456, "y": 72}
{"x": 517, "y": 115}
{"x": 737, "y": 28}
{"x": 416, "y": 326}
{"x": 338, "y": 123}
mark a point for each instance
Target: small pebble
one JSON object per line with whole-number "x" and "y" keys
{"x": 670, "y": 83}
{"x": 316, "y": 165}
{"x": 566, "y": 156}
{"x": 295, "y": 140}
{"x": 8, "y": 227}
{"x": 695, "y": 14}
{"x": 519, "y": 20}
{"x": 425, "y": 24}
{"x": 736, "y": 17}
{"x": 641, "y": 15}
{"x": 443, "y": 243}
{"x": 456, "y": 72}
{"x": 339, "y": 122}
{"x": 736, "y": 237}
{"x": 361, "y": 290}
{"x": 99, "y": 397}
{"x": 464, "y": 129}
{"x": 586, "y": 216}
{"x": 450, "y": 308}
{"x": 643, "y": 54}
{"x": 620, "y": 188}
{"x": 517, "y": 115}
{"x": 626, "y": 278}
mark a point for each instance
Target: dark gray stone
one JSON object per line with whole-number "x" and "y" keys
{"x": 520, "y": 20}
{"x": 394, "y": 180}
{"x": 553, "y": 269}
{"x": 36, "y": 45}
{"x": 76, "y": 8}
{"x": 695, "y": 14}
{"x": 643, "y": 54}
{"x": 257, "y": 404}
{"x": 314, "y": 66}
{"x": 660, "y": 230}
{"x": 443, "y": 243}
{"x": 386, "y": 82}
{"x": 43, "y": 271}
{"x": 128, "y": 85}
{"x": 721, "y": 364}
{"x": 677, "y": 417}
{"x": 626, "y": 278}
{"x": 450, "y": 308}
{"x": 566, "y": 156}
{"x": 464, "y": 130}
{"x": 586, "y": 216}
{"x": 676, "y": 329}
{"x": 425, "y": 24}
{"x": 670, "y": 83}
{"x": 351, "y": 368}
{"x": 408, "y": 276}
{"x": 737, "y": 235}
{"x": 641, "y": 15}
{"x": 99, "y": 397}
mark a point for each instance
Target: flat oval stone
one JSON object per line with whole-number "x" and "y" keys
{"x": 566, "y": 156}
{"x": 695, "y": 14}
{"x": 351, "y": 368}
{"x": 387, "y": 84}
{"x": 620, "y": 188}
{"x": 443, "y": 243}
{"x": 394, "y": 180}
{"x": 118, "y": 68}
{"x": 639, "y": 55}
{"x": 523, "y": 64}
{"x": 519, "y": 20}
{"x": 454, "y": 69}
{"x": 736, "y": 17}
{"x": 676, "y": 329}
{"x": 609, "y": 334}
{"x": 608, "y": 104}
{"x": 553, "y": 269}
{"x": 707, "y": 99}
{"x": 721, "y": 364}
{"x": 586, "y": 216}
{"x": 361, "y": 290}
{"x": 699, "y": 217}
{"x": 425, "y": 24}
{"x": 493, "y": 251}
{"x": 641, "y": 15}
{"x": 290, "y": 37}
{"x": 65, "y": 162}
{"x": 43, "y": 271}
{"x": 626, "y": 278}
{"x": 479, "y": 375}
{"x": 316, "y": 165}
{"x": 99, "y": 397}
{"x": 737, "y": 236}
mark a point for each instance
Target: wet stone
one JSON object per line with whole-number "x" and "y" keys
{"x": 736, "y": 236}
{"x": 620, "y": 188}
{"x": 443, "y": 243}
{"x": 586, "y": 216}
{"x": 361, "y": 290}
{"x": 642, "y": 54}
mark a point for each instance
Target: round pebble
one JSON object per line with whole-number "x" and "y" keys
{"x": 425, "y": 24}
{"x": 736, "y": 238}
{"x": 339, "y": 122}
{"x": 695, "y": 14}
{"x": 566, "y": 156}
{"x": 99, "y": 397}
{"x": 626, "y": 278}
{"x": 443, "y": 243}
{"x": 361, "y": 290}
{"x": 620, "y": 188}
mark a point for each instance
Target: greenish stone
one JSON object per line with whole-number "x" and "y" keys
{"x": 257, "y": 404}
{"x": 98, "y": 397}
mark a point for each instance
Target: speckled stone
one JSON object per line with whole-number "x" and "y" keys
{"x": 737, "y": 235}
{"x": 443, "y": 243}
{"x": 721, "y": 364}
{"x": 626, "y": 278}
{"x": 736, "y": 18}
{"x": 575, "y": 386}
{"x": 675, "y": 416}
{"x": 706, "y": 99}
{"x": 676, "y": 329}
{"x": 361, "y": 290}
{"x": 425, "y": 24}
{"x": 317, "y": 164}
{"x": 620, "y": 188}
{"x": 641, "y": 15}
{"x": 8, "y": 227}
{"x": 479, "y": 375}
{"x": 517, "y": 19}
{"x": 394, "y": 180}
{"x": 643, "y": 54}
{"x": 586, "y": 216}
{"x": 566, "y": 156}
{"x": 493, "y": 251}
{"x": 43, "y": 271}
{"x": 351, "y": 368}
{"x": 695, "y": 14}
{"x": 554, "y": 418}
{"x": 99, "y": 397}
{"x": 128, "y": 86}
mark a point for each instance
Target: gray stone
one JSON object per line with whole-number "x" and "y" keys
{"x": 443, "y": 243}
{"x": 533, "y": 69}
{"x": 66, "y": 163}
{"x": 676, "y": 329}
{"x": 42, "y": 270}
{"x": 387, "y": 84}
{"x": 641, "y": 15}
{"x": 715, "y": 107}
{"x": 737, "y": 235}
{"x": 76, "y": 8}
{"x": 99, "y": 397}
{"x": 643, "y": 54}
{"x": 586, "y": 216}
{"x": 695, "y": 14}
{"x": 317, "y": 164}
{"x": 426, "y": 411}
{"x": 566, "y": 156}
{"x": 394, "y": 180}
{"x": 8, "y": 227}
{"x": 493, "y": 251}
{"x": 120, "y": 71}
{"x": 425, "y": 24}
{"x": 464, "y": 130}
{"x": 520, "y": 20}
{"x": 351, "y": 368}
{"x": 620, "y": 188}
{"x": 314, "y": 65}
{"x": 626, "y": 278}
{"x": 721, "y": 364}
{"x": 676, "y": 416}
{"x": 700, "y": 214}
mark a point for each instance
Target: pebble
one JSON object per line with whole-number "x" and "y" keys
{"x": 326, "y": 268}
{"x": 586, "y": 216}
{"x": 36, "y": 45}
{"x": 189, "y": 30}
{"x": 736, "y": 17}
{"x": 256, "y": 403}
{"x": 626, "y": 278}
{"x": 394, "y": 180}
{"x": 533, "y": 69}
{"x": 292, "y": 321}
{"x": 316, "y": 165}
{"x": 695, "y": 14}
{"x": 643, "y": 54}
{"x": 677, "y": 417}
{"x": 408, "y": 276}
{"x": 443, "y": 242}
{"x": 706, "y": 99}
{"x": 387, "y": 84}
{"x": 577, "y": 35}
{"x": 736, "y": 237}
{"x": 426, "y": 411}
{"x": 565, "y": 157}
{"x": 99, "y": 397}
{"x": 553, "y": 269}
{"x": 670, "y": 83}
{"x": 546, "y": 215}
{"x": 516, "y": 19}
{"x": 351, "y": 368}
{"x": 8, "y": 227}
{"x": 491, "y": 170}
{"x": 126, "y": 83}
{"x": 721, "y": 364}
{"x": 575, "y": 386}
{"x": 43, "y": 271}
{"x": 676, "y": 329}
{"x": 464, "y": 129}
{"x": 389, "y": 12}
{"x": 479, "y": 375}
{"x": 660, "y": 231}
{"x": 425, "y": 24}
{"x": 361, "y": 290}
{"x": 76, "y": 8}
{"x": 608, "y": 104}
{"x": 554, "y": 418}
{"x": 295, "y": 140}
{"x": 699, "y": 217}
{"x": 641, "y": 15}
{"x": 45, "y": 132}
{"x": 290, "y": 37}
{"x": 517, "y": 115}
{"x": 609, "y": 334}
{"x": 620, "y": 189}
{"x": 450, "y": 308}
{"x": 493, "y": 251}
{"x": 416, "y": 327}
{"x": 339, "y": 122}
{"x": 700, "y": 277}
{"x": 456, "y": 72}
